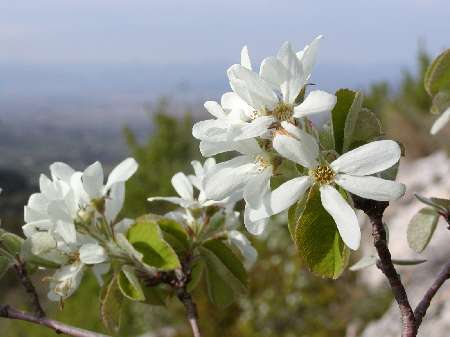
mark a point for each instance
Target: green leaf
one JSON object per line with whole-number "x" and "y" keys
{"x": 11, "y": 242}
{"x": 364, "y": 262}
{"x": 318, "y": 241}
{"x": 326, "y": 137}
{"x": 407, "y": 262}
{"x": 174, "y": 234}
{"x": 156, "y": 295}
{"x": 147, "y": 238}
{"x": 437, "y": 76}
{"x": 111, "y": 301}
{"x": 441, "y": 205}
{"x": 421, "y": 229}
{"x": 441, "y": 101}
{"x": 129, "y": 284}
{"x": 225, "y": 275}
{"x": 35, "y": 260}
{"x": 344, "y": 116}
{"x": 366, "y": 128}
{"x": 196, "y": 274}
{"x": 5, "y": 263}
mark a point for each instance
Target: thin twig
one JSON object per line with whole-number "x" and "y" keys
{"x": 22, "y": 274}
{"x": 375, "y": 210}
{"x": 423, "y": 305}
{"x": 191, "y": 310}
{"x": 12, "y": 313}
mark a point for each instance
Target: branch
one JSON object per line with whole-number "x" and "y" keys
{"x": 12, "y": 313}
{"x": 22, "y": 274}
{"x": 423, "y": 305}
{"x": 191, "y": 310}
{"x": 375, "y": 210}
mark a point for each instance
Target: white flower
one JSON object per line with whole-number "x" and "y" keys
{"x": 351, "y": 171}
{"x": 260, "y": 100}
{"x": 439, "y": 124}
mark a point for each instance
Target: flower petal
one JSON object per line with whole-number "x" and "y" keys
{"x": 294, "y": 82}
{"x": 316, "y": 102}
{"x": 255, "y": 128}
{"x": 254, "y": 227}
{"x": 114, "y": 202}
{"x": 344, "y": 216}
{"x": 92, "y": 253}
{"x": 61, "y": 171}
{"x": 281, "y": 198}
{"x": 213, "y": 130}
{"x": 371, "y": 187}
{"x": 214, "y": 109}
{"x": 67, "y": 231}
{"x": 93, "y": 180}
{"x": 299, "y": 152}
{"x": 257, "y": 187}
{"x": 229, "y": 177}
{"x": 245, "y": 58}
{"x": 369, "y": 158}
{"x": 441, "y": 122}
{"x": 241, "y": 242}
{"x": 183, "y": 186}
{"x": 122, "y": 172}
{"x": 308, "y": 56}
{"x": 208, "y": 148}
{"x": 273, "y": 71}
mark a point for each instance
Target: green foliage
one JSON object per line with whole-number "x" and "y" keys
{"x": 129, "y": 284}
{"x": 12, "y": 243}
{"x": 318, "y": 241}
{"x": 146, "y": 237}
{"x": 5, "y": 263}
{"x": 421, "y": 228}
{"x": 225, "y": 275}
{"x": 111, "y": 301}
{"x": 437, "y": 76}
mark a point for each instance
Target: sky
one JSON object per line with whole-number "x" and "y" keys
{"x": 49, "y": 45}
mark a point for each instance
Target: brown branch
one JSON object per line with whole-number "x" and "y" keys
{"x": 24, "y": 279}
{"x": 423, "y": 305}
{"x": 191, "y": 310}
{"x": 375, "y": 210}
{"x": 12, "y": 313}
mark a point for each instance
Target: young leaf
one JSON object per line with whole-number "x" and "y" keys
{"x": 11, "y": 242}
{"x": 225, "y": 274}
{"x": 147, "y": 239}
{"x": 129, "y": 284}
{"x": 156, "y": 295}
{"x": 5, "y": 263}
{"x": 364, "y": 262}
{"x": 111, "y": 305}
{"x": 407, "y": 262}
{"x": 437, "y": 76}
{"x": 344, "y": 116}
{"x": 367, "y": 127}
{"x": 196, "y": 274}
{"x": 174, "y": 234}
{"x": 441, "y": 205}
{"x": 318, "y": 241}
{"x": 421, "y": 229}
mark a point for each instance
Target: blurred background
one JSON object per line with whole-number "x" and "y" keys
{"x": 103, "y": 79}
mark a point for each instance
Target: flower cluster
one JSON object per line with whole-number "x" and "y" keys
{"x": 71, "y": 221}
{"x": 205, "y": 217}
{"x": 265, "y": 120}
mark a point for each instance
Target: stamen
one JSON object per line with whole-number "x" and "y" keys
{"x": 323, "y": 175}
{"x": 262, "y": 163}
{"x": 283, "y": 112}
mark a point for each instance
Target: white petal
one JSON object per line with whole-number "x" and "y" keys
{"x": 369, "y": 158}
{"x": 273, "y": 71}
{"x": 257, "y": 187}
{"x": 254, "y": 227}
{"x": 208, "y": 148}
{"x": 123, "y": 226}
{"x": 255, "y": 128}
{"x": 31, "y": 215}
{"x": 248, "y": 147}
{"x": 371, "y": 187}
{"x": 183, "y": 186}
{"x": 122, "y": 172}
{"x": 92, "y": 253}
{"x": 214, "y": 109}
{"x": 208, "y": 165}
{"x": 37, "y": 226}
{"x": 281, "y": 198}
{"x": 47, "y": 188}
{"x": 309, "y": 141}
{"x": 65, "y": 281}
{"x": 297, "y": 151}
{"x": 294, "y": 82}
{"x": 67, "y": 231}
{"x": 251, "y": 88}
{"x": 231, "y": 101}
{"x": 241, "y": 242}
{"x": 93, "y": 180}
{"x": 38, "y": 202}
{"x": 316, "y": 102}
{"x": 61, "y": 171}
{"x": 42, "y": 242}
{"x": 114, "y": 201}
{"x": 213, "y": 130}
{"x": 100, "y": 270}
{"x": 229, "y": 177}
{"x": 309, "y": 55}
{"x": 441, "y": 122}
{"x": 344, "y": 216}
{"x": 245, "y": 58}
{"x": 198, "y": 168}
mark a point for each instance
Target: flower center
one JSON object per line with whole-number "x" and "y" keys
{"x": 323, "y": 174}
{"x": 261, "y": 163}
{"x": 283, "y": 111}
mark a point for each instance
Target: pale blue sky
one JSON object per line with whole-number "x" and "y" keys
{"x": 378, "y": 34}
